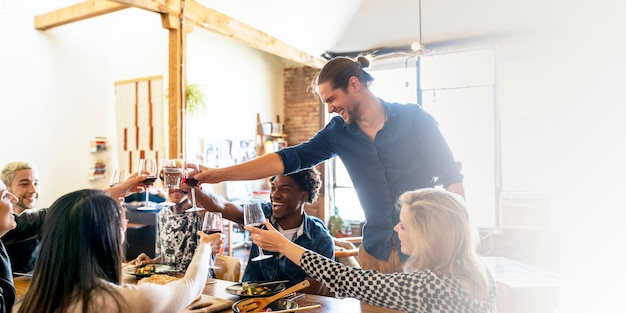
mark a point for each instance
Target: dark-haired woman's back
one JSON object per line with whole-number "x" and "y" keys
{"x": 79, "y": 268}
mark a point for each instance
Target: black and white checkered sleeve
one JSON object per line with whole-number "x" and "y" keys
{"x": 422, "y": 291}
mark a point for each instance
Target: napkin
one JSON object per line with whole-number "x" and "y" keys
{"x": 208, "y": 304}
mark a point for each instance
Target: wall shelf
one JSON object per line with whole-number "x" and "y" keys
{"x": 99, "y": 166}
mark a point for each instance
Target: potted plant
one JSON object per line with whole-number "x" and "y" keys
{"x": 196, "y": 100}
{"x": 337, "y": 226}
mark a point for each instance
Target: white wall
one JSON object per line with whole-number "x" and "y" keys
{"x": 57, "y": 86}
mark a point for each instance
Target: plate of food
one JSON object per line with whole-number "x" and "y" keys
{"x": 255, "y": 289}
{"x": 148, "y": 270}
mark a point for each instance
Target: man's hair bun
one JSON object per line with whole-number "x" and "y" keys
{"x": 363, "y": 61}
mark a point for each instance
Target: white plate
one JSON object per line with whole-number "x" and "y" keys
{"x": 158, "y": 269}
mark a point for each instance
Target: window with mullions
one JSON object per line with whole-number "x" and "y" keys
{"x": 458, "y": 90}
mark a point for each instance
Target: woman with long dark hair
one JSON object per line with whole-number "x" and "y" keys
{"x": 79, "y": 268}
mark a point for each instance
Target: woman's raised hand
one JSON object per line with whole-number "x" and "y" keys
{"x": 130, "y": 185}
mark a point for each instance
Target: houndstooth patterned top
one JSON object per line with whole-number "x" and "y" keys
{"x": 417, "y": 292}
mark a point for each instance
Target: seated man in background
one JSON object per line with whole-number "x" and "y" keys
{"x": 22, "y": 243}
{"x": 177, "y": 237}
{"x": 288, "y": 196}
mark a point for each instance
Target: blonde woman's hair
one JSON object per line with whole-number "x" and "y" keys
{"x": 444, "y": 239}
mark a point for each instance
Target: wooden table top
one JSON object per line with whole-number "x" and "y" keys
{"x": 217, "y": 288}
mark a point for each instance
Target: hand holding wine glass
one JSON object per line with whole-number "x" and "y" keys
{"x": 191, "y": 169}
{"x": 253, "y": 216}
{"x": 171, "y": 172}
{"x": 148, "y": 167}
{"x": 212, "y": 224}
{"x": 117, "y": 177}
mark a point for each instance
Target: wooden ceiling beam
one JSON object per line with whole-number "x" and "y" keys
{"x": 158, "y": 6}
{"x": 77, "y": 12}
{"x": 195, "y": 12}
{"x": 225, "y": 25}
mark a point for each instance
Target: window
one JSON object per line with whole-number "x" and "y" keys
{"x": 458, "y": 90}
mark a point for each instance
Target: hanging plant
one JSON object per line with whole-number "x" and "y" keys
{"x": 196, "y": 100}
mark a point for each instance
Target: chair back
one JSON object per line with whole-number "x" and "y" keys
{"x": 229, "y": 268}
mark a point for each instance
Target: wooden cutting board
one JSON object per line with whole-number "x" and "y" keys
{"x": 208, "y": 304}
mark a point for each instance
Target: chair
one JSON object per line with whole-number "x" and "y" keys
{"x": 229, "y": 268}
{"x": 345, "y": 250}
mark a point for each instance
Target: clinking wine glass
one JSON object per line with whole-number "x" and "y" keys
{"x": 171, "y": 172}
{"x": 212, "y": 224}
{"x": 253, "y": 216}
{"x": 148, "y": 167}
{"x": 189, "y": 171}
{"x": 117, "y": 177}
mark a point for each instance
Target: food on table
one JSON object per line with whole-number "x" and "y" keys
{"x": 146, "y": 270}
{"x": 253, "y": 289}
{"x": 160, "y": 279}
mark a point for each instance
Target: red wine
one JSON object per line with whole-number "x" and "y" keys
{"x": 190, "y": 181}
{"x": 149, "y": 180}
{"x": 212, "y": 231}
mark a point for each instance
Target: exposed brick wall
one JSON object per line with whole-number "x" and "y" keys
{"x": 304, "y": 116}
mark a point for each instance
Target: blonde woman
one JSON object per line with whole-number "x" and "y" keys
{"x": 442, "y": 274}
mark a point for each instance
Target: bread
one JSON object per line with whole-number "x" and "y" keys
{"x": 160, "y": 279}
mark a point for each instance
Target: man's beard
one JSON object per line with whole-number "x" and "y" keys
{"x": 22, "y": 205}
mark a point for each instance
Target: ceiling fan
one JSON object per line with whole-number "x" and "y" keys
{"x": 416, "y": 49}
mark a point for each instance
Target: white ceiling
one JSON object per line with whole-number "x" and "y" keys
{"x": 342, "y": 26}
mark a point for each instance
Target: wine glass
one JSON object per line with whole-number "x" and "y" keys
{"x": 117, "y": 177}
{"x": 148, "y": 167}
{"x": 253, "y": 216}
{"x": 212, "y": 224}
{"x": 171, "y": 173}
{"x": 189, "y": 171}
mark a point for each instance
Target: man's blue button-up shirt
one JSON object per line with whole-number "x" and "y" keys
{"x": 408, "y": 153}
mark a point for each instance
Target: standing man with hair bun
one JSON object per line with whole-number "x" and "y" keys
{"x": 387, "y": 148}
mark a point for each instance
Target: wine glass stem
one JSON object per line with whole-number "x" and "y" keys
{"x": 147, "y": 197}
{"x": 193, "y": 197}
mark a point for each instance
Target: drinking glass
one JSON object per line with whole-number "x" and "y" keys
{"x": 212, "y": 224}
{"x": 191, "y": 169}
{"x": 117, "y": 177}
{"x": 149, "y": 168}
{"x": 171, "y": 173}
{"x": 253, "y": 216}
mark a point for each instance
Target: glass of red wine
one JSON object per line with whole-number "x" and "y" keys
{"x": 149, "y": 168}
{"x": 190, "y": 170}
{"x": 253, "y": 215}
{"x": 212, "y": 224}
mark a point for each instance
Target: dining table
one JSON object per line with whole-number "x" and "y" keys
{"x": 217, "y": 288}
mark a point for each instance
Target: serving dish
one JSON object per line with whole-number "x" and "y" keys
{"x": 272, "y": 289}
{"x": 280, "y": 304}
